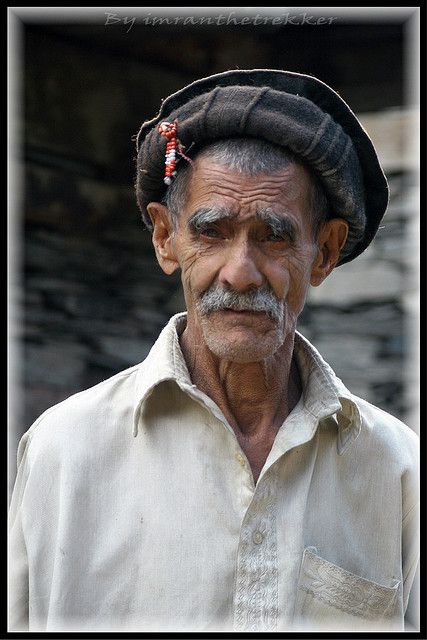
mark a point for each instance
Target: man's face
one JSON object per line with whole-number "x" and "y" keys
{"x": 252, "y": 237}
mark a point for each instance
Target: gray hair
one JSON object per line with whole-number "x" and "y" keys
{"x": 217, "y": 297}
{"x": 251, "y": 157}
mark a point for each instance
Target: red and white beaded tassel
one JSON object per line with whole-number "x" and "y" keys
{"x": 173, "y": 146}
{"x": 168, "y": 130}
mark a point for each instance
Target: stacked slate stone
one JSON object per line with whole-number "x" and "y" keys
{"x": 358, "y": 319}
{"x": 94, "y": 296}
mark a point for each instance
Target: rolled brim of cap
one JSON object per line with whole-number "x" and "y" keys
{"x": 295, "y": 111}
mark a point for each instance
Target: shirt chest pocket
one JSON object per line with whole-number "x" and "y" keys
{"x": 331, "y": 598}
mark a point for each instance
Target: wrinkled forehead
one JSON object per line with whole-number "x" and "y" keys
{"x": 213, "y": 184}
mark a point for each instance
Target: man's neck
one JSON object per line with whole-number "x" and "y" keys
{"x": 254, "y": 397}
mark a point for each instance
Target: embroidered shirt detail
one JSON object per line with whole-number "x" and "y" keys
{"x": 256, "y": 594}
{"x": 345, "y": 590}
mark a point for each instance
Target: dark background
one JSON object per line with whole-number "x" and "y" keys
{"x": 92, "y": 299}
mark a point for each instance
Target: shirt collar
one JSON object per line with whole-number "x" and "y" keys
{"x": 324, "y": 393}
{"x": 164, "y": 362}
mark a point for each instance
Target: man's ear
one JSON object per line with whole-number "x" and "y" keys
{"x": 163, "y": 237}
{"x": 330, "y": 241}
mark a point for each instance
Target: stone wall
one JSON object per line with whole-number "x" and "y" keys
{"x": 92, "y": 298}
{"x": 362, "y": 318}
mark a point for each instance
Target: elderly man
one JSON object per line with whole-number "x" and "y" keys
{"x": 230, "y": 482}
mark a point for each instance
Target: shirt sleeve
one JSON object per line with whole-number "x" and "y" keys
{"x": 410, "y": 530}
{"x": 18, "y": 599}
{"x": 410, "y": 550}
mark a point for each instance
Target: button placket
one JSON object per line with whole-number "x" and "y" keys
{"x": 256, "y": 595}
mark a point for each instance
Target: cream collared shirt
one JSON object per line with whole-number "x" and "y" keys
{"x": 135, "y": 509}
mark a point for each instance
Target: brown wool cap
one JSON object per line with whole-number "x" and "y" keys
{"x": 289, "y": 109}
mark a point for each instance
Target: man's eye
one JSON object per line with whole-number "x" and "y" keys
{"x": 210, "y": 232}
{"x": 274, "y": 237}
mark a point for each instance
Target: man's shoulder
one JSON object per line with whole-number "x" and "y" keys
{"x": 89, "y": 416}
{"x": 379, "y": 429}
{"x": 386, "y": 432}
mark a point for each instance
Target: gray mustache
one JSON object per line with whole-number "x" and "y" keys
{"x": 217, "y": 298}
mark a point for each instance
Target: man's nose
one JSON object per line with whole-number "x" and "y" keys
{"x": 240, "y": 270}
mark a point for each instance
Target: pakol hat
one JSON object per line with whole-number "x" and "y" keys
{"x": 293, "y": 110}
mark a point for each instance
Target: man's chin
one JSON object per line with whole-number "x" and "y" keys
{"x": 241, "y": 353}
{"x": 243, "y": 342}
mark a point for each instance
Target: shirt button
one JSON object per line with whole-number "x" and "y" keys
{"x": 257, "y": 537}
{"x": 241, "y": 459}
